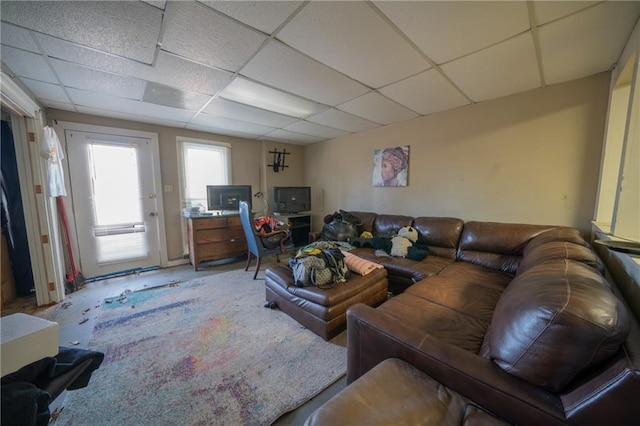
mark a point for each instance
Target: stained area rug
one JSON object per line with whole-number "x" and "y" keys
{"x": 205, "y": 352}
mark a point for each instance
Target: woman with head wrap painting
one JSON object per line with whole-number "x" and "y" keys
{"x": 392, "y": 162}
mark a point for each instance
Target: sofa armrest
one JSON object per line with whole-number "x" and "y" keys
{"x": 373, "y": 337}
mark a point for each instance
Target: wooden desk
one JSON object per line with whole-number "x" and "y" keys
{"x": 215, "y": 238}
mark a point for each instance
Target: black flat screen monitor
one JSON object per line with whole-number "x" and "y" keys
{"x": 227, "y": 197}
{"x": 291, "y": 199}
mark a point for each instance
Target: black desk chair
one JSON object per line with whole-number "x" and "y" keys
{"x": 258, "y": 244}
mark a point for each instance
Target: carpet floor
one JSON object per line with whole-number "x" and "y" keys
{"x": 204, "y": 352}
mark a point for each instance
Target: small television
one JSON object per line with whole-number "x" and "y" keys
{"x": 291, "y": 199}
{"x": 227, "y": 197}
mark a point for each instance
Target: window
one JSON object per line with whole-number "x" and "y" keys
{"x": 618, "y": 205}
{"x": 202, "y": 163}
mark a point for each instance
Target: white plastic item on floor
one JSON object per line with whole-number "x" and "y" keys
{"x": 26, "y": 339}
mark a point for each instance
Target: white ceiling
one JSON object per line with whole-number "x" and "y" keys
{"x": 330, "y": 68}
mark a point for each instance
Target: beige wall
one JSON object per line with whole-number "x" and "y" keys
{"x": 527, "y": 158}
{"x": 249, "y": 166}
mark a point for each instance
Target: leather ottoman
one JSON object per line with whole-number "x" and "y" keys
{"x": 396, "y": 393}
{"x": 323, "y": 311}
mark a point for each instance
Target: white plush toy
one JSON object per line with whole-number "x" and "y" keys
{"x": 407, "y": 236}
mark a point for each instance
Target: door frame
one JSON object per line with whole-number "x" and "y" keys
{"x": 61, "y": 126}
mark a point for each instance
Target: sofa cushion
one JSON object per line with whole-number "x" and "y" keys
{"x": 455, "y": 306}
{"x": 366, "y": 219}
{"x": 396, "y": 393}
{"x": 496, "y": 245}
{"x": 440, "y": 234}
{"x": 554, "y": 321}
{"x": 400, "y": 266}
{"x": 558, "y": 250}
{"x": 387, "y": 223}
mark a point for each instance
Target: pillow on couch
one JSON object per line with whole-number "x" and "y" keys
{"x": 555, "y": 320}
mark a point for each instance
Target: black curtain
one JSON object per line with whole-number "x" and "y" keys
{"x": 13, "y": 223}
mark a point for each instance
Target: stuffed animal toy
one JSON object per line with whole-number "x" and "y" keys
{"x": 409, "y": 233}
{"x": 400, "y": 244}
{"x": 405, "y": 244}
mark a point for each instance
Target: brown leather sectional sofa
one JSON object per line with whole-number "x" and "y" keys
{"x": 520, "y": 319}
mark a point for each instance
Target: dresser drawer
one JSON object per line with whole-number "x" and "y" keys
{"x": 222, "y": 249}
{"x": 234, "y": 221}
{"x": 218, "y": 235}
{"x": 209, "y": 223}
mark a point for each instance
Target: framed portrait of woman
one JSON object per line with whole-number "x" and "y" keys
{"x": 391, "y": 166}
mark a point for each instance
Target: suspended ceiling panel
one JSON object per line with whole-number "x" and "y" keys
{"x": 295, "y": 71}
{"x": 333, "y": 32}
{"x": 503, "y": 70}
{"x": 469, "y": 26}
{"x": 287, "y": 69}
{"x": 426, "y": 93}
{"x": 128, "y": 29}
{"x": 343, "y": 121}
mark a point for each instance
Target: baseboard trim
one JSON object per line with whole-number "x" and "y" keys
{"x": 177, "y": 262}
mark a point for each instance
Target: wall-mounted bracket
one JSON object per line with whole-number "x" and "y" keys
{"x": 278, "y": 159}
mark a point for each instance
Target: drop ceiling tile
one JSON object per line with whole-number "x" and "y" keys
{"x": 169, "y": 69}
{"x": 282, "y": 67}
{"x": 27, "y": 64}
{"x": 71, "y": 52}
{"x": 375, "y": 107}
{"x": 160, "y": 4}
{"x": 230, "y": 124}
{"x": 130, "y": 117}
{"x": 128, "y": 29}
{"x": 603, "y": 28}
{"x": 546, "y": 11}
{"x": 10, "y": 35}
{"x": 52, "y": 92}
{"x": 260, "y": 96}
{"x": 292, "y": 142}
{"x": 80, "y": 77}
{"x": 164, "y": 95}
{"x": 343, "y": 121}
{"x": 127, "y": 106}
{"x": 218, "y": 131}
{"x": 184, "y": 74}
{"x": 285, "y": 135}
{"x": 354, "y": 39}
{"x": 445, "y": 30}
{"x": 314, "y": 129}
{"x": 504, "y": 69}
{"x": 426, "y": 93}
{"x": 266, "y": 16}
{"x": 197, "y": 32}
{"x": 224, "y": 108}
{"x": 62, "y": 106}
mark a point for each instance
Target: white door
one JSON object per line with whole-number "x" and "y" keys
{"x": 114, "y": 202}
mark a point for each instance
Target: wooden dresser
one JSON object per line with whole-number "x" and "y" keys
{"x": 214, "y": 238}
